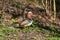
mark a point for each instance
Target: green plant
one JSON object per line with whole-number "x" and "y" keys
{"x": 34, "y": 38}
{"x": 2, "y": 34}
{"x": 53, "y": 38}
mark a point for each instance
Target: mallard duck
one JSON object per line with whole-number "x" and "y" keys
{"x": 24, "y": 22}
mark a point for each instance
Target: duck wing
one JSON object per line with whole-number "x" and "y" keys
{"x": 25, "y": 22}
{"x": 29, "y": 23}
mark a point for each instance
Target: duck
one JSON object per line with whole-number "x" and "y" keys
{"x": 26, "y": 21}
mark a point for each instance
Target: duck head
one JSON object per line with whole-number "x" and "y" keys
{"x": 29, "y": 15}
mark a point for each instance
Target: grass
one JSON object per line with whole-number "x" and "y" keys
{"x": 10, "y": 32}
{"x": 34, "y": 38}
{"x": 53, "y": 38}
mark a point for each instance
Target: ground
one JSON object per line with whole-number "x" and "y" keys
{"x": 34, "y": 32}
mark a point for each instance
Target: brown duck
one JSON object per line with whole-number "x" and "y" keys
{"x": 24, "y": 22}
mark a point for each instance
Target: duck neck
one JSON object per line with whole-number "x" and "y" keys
{"x": 30, "y": 19}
